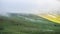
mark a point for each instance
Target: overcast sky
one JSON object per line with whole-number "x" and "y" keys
{"x": 28, "y": 6}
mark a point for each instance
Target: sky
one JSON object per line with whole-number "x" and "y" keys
{"x": 29, "y": 6}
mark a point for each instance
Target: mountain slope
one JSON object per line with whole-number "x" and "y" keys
{"x": 28, "y": 24}
{"x": 54, "y": 18}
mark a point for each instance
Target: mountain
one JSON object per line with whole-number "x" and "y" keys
{"x": 27, "y": 24}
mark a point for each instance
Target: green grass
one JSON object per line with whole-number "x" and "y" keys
{"x": 20, "y": 25}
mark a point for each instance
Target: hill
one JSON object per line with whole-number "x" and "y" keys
{"x": 27, "y": 24}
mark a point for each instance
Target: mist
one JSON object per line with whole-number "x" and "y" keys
{"x": 29, "y": 6}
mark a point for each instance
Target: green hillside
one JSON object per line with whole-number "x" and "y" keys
{"x": 27, "y": 24}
